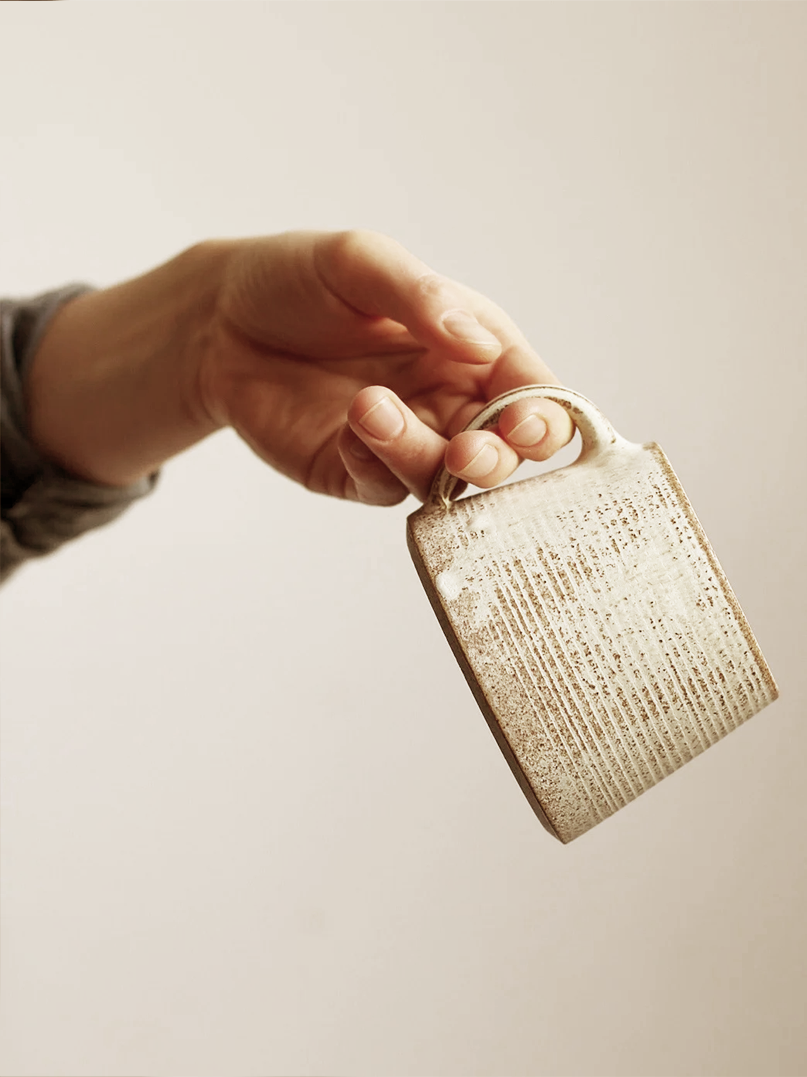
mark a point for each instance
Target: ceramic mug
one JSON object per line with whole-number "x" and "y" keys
{"x": 591, "y": 618}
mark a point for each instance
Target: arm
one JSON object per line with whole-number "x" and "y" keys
{"x": 108, "y": 390}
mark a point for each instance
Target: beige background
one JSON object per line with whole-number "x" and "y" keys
{"x": 252, "y": 822}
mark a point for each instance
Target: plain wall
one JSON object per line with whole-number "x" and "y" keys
{"x": 252, "y": 820}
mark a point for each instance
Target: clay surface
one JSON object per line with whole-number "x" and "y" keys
{"x": 595, "y": 626}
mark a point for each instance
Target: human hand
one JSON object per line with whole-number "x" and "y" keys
{"x": 350, "y": 366}
{"x": 343, "y": 360}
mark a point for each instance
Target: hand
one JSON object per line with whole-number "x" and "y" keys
{"x": 340, "y": 358}
{"x": 349, "y": 365}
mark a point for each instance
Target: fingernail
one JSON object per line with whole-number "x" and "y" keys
{"x": 482, "y": 464}
{"x": 528, "y": 432}
{"x": 463, "y": 326}
{"x": 383, "y": 421}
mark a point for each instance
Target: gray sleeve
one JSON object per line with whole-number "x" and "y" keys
{"x": 42, "y": 505}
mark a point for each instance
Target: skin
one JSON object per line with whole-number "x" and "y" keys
{"x": 340, "y": 358}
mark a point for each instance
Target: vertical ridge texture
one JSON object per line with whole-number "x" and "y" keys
{"x": 598, "y": 625}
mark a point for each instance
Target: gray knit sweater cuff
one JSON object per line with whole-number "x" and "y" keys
{"x": 43, "y": 506}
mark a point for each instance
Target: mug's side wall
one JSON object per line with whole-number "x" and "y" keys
{"x": 421, "y": 536}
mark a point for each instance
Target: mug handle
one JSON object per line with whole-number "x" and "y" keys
{"x": 596, "y": 432}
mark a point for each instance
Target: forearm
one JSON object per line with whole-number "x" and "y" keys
{"x": 111, "y": 388}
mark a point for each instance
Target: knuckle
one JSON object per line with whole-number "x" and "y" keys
{"x": 345, "y": 247}
{"x": 339, "y": 250}
{"x": 431, "y": 287}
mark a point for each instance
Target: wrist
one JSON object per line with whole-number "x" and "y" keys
{"x": 113, "y": 388}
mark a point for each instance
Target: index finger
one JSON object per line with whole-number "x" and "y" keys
{"x": 377, "y": 276}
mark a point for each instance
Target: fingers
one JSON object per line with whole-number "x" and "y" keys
{"x": 480, "y": 457}
{"x": 531, "y": 429}
{"x": 389, "y": 451}
{"x": 409, "y": 450}
{"x": 536, "y": 429}
{"x": 377, "y": 276}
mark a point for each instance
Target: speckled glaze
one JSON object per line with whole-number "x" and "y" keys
{"x": 591, "y": 618}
